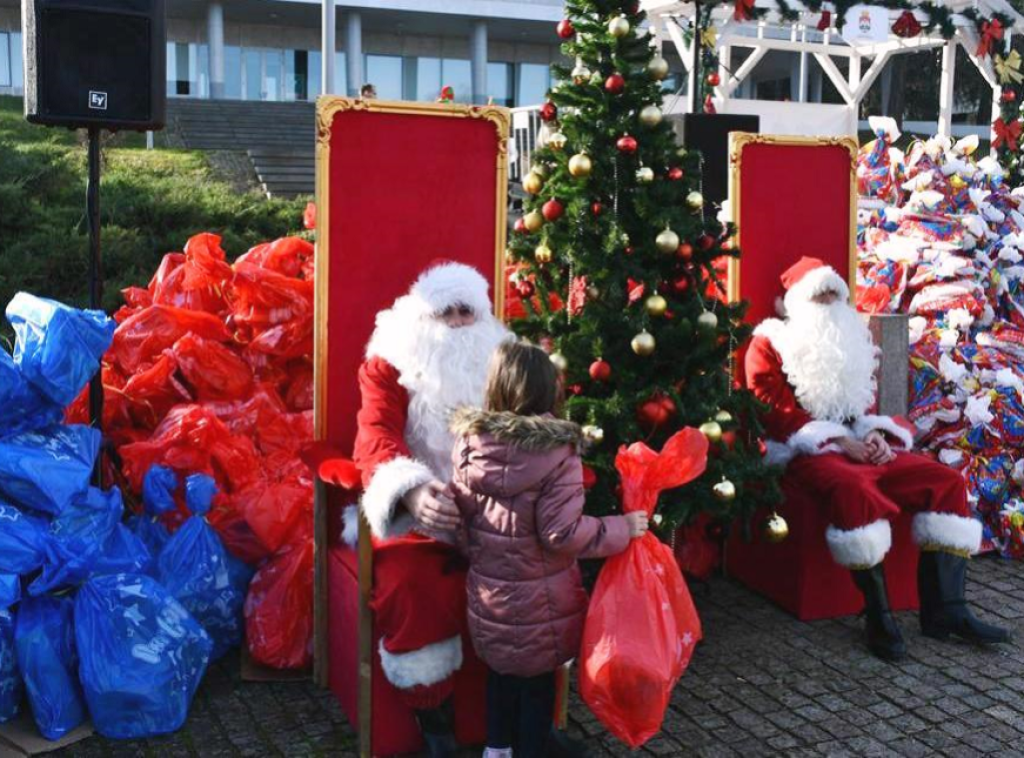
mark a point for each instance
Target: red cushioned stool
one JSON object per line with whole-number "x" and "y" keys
{"x": 799, "y": 574}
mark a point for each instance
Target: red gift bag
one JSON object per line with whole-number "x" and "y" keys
{"x": 642, "y": 627}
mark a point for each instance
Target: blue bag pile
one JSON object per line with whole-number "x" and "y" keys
{"x": 86, "y": 629}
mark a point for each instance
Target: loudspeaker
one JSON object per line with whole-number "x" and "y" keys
{"x": 708, "y": 133}
{"x": 95, "y": 63}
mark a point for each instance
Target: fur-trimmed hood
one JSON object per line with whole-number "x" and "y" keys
{"x": 502, "y": 454}
{"x": 530, "y": 433}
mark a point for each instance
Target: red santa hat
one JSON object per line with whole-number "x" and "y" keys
{"x": 810, "y": 277}
{"x": 448, "y": 284}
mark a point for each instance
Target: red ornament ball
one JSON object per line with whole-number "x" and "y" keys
{"x": 520, "y": 226}
{"x": 628, "y": 250}
{"x": 615, "y": 84}
{"x": 682, "y": 284}
{"x": 526, "y": 289}
{"x": 714, "y": 79}
{"x": 675, "y": 174}
{"x": 1008, "y": 96}
{"x": 552, "y": 210}
{"x": 655, "y": 412}
{"x": 600, "y": 370}
{"x": 565, "y": 28}
{"x": 729, "y": 439}
{"x": 626, "y": 144}
{"x": 685, "y": 251}
{"x": 706, "y": 242}
{"x": 589, "y": 478}
{"x": 575, "y": 389}
{"x": 596, "y": 209}
{"x": 549, "y": 111}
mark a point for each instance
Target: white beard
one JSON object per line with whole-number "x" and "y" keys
{"x": 442, "y": 369}
{"x": 829, "y": 358}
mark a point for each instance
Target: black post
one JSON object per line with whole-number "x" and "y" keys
{"x": 695, "y": 105}
{"x": 92, "y": 213}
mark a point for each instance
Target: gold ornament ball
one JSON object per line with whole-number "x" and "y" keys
{"x": 725, "y": 491}
{"x": 656, "y": 305}
{"x": 650, "y": 115}
{"x": 707, "y": 321}
{"x": 775, "y": 528}
{"x": 657, "y": 68}
{"x": 667, "y": 242}
{"x": 723, "y": 417}
{"x": 580, "y": 74}
{"x": 695, "y": 200}
{"x": 580, "y": 165}
{"x": 593, "y": 434}
{"x": 645, "y": 175}
{"x": 533, "y": 183}
{"x": 618, "y": 26}
{"x": 557, "y": 141}
{"x": 712, "y": 430}
{"x": 643, "y": 344}
{"x": 533, "y": 221}
{"x": 559, "y": 361}
{"x": 542, "y": 253}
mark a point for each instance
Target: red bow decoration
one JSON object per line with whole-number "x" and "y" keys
{"x": 825, "y": 21}
{"x": 991, "y": 32}
{"x": 709, "y": 105}
{"x": 577, "y": 295}
{"x": 1006, "y": 133}
{"x": 636, "y": 290}
{"x": 906, "y": 25}
{"x": 744, "y": 10}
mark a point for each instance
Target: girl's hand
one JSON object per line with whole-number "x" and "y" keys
{"x": 637, "y": 521}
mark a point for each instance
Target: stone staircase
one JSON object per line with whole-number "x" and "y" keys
{"x": 279, "y": 138}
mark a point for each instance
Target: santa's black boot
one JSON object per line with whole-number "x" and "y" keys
{"x": 436, "y": 726}
{"x": 882, "y": 632}
{"x": 941, "y": 577}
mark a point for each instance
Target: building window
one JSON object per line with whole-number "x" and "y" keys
{"x": 423, "y": 79}
{"x": 384, "y": 72}
{"x": 533, "y": 80}
{"x": 233, "y": 72}
{"x": 315, "y": 74}
{"x": 5, "y": 60}
{"x": 252, "y": 71}
{"x": 458, "y": 74}
{"x": 188, "y": 69}
{"x": 341, "y": 75}
{"x": 500, "y": 83}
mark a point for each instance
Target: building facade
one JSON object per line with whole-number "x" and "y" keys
{"x": 270, "y": 50}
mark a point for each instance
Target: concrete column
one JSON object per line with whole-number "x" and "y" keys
{"x": 354, "y": 52}
{"x": 478, "y": 61}
{"x": 215, "y": 38}
{"x": 327, "y": 48}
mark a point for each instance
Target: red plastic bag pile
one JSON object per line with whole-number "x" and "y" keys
{"x": 210, "y": 371}
{"x": 641, "y": 626}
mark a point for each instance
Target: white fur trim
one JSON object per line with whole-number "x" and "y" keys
{"x": 770, "y": 328}
{"x": 862, "y": 547}
{"x": 350, "y": 529}
{"x": 778, "y": 454}
{"x": 815, "y": 282}
{"x": 390, "y": 482}
{"x": 867, "y": 424}
{"x": 452, "y": 284}
{"x": 811, "y": 438}
{"x": 421, "y": 668}
{"x": 947, "y": 530}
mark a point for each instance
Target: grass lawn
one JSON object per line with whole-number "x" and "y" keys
{"x": 151, "y": 202}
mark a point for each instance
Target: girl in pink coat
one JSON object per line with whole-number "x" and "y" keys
{"x": 518, "y": 483}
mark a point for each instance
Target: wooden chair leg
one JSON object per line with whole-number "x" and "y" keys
{"x": 365, "y": 725}
{"x": 562, "y": 696}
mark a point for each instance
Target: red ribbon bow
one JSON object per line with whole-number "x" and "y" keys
{"x": 991, "y": 32}
{"x": 906, "y": 25}
{"x": 744, "y": 10}
{"x": 1006, "y": 133}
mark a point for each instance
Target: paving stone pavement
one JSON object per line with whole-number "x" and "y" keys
{"x": 762, "y": 683}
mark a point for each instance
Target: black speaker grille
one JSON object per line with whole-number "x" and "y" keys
{"x": 96, "y": 65}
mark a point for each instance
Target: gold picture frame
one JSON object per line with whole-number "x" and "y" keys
{"x": 740, "y": 140}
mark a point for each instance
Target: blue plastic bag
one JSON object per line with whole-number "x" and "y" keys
{"x": 158, "y": 488}
{"x": 142, "y": 655}
{"x": 10, "y": 680}
{"x": 25, "y": 408}
{"x": 44, "y": 638}
{"x": 22, "y": 539}
{"x": 121, "y": 551}
{"x": 10, "y": 589}
{"x": 58, "y": 348}
{"x": 48, "y": 469}
{"x": 196, "y": 568}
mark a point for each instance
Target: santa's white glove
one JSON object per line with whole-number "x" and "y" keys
{"x": 432, "y": 508}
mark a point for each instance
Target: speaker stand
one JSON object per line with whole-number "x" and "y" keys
{"x": 92, "y": 214}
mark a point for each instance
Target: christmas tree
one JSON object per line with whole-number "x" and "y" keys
{"x": 617, "y": 272}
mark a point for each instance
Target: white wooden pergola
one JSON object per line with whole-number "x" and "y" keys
{"x": 866, "y": 61}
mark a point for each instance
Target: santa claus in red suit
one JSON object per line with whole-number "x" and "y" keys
{"x": 816, "y": 372}
{"x": 428, "y": 355}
